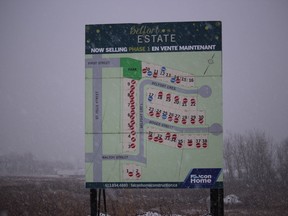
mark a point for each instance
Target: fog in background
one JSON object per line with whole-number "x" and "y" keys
{"x": 42, "y": 66}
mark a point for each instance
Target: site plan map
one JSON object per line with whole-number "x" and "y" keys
{"x": 153, "y": 105}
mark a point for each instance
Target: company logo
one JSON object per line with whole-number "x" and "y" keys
{"x": 155, "y": 34}
{"x": 144, "y": 30}
{"x": 202, "y": 178}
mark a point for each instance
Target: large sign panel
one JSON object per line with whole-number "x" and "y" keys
{"x": 153, "y": 105}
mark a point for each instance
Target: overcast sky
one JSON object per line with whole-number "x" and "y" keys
{"x": 42, "y": 66}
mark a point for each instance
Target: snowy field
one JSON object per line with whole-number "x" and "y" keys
{"x": 67, "y": 196}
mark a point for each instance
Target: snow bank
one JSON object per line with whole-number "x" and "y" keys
{"x": 232, "y": 199}
{"x": 154, "y": 214}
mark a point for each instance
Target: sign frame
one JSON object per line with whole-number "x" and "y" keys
{"x": 122, "y": 134}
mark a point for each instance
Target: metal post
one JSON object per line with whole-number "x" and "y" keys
{"x": 93, "y": 202}
{"x": 217, "y": 203}
{"x": 99, "y": 203}
{"x": 104, "y": 197}
{"x": 96, "y": 204}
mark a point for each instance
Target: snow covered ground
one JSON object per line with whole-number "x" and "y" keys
{"x": 62, "y": 195}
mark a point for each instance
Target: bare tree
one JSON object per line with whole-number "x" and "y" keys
{"x": 257, "y": 169}
{"x": 249, "y": 157}
{"x": 260, "y": 171}
{"x": 229, "y": 158}
{"x": 282, "y": 163}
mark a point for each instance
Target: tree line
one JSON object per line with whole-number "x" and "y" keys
{"x": 256, "y": 165}
{"x": 27, "y": 164}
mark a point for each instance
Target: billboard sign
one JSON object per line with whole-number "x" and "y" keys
{"x": 153, "y": 107}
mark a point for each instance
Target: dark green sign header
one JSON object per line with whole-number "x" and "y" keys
{"x": 153, "y": 37}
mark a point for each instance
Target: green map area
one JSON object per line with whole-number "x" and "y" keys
{"x": 151, "y": 118}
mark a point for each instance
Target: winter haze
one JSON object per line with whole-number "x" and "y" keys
{"x": 42, "y": 66}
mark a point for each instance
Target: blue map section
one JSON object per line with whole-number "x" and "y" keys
{"x": 202, "y": 178}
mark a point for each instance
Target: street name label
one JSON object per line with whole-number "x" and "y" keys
{"x": 153, "y": 107}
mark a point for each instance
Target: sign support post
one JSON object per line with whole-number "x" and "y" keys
{"x": 216, "y": 202}
{"x": 93, "y": 202}
{"x": 96, "y": 206}
{"x": 153, "y": 93}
